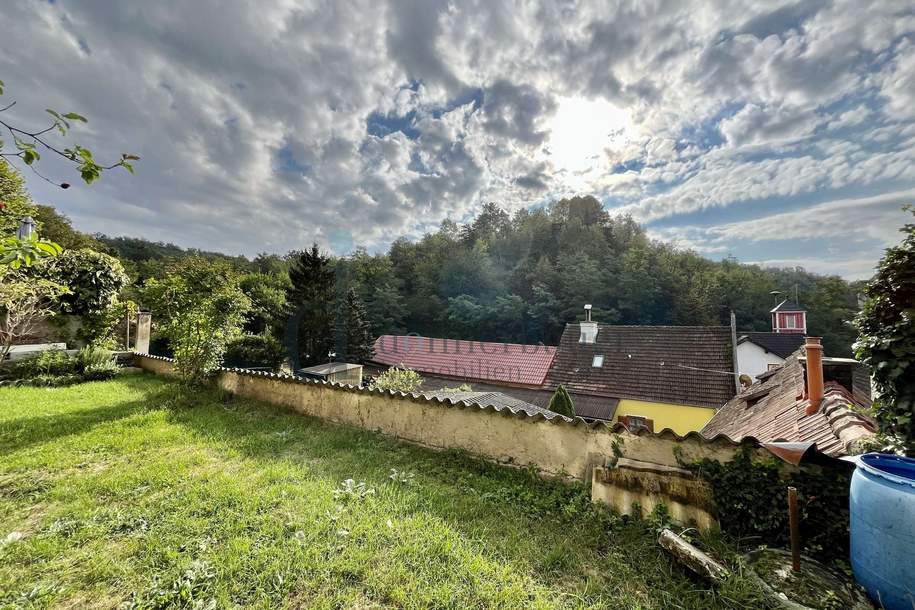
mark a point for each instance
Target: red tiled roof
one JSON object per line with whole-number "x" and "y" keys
{"x": 775, "y": 410}
{"x": 508, "y": 363}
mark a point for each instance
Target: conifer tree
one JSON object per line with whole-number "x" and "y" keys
{"x": 357, "y": 336}
{"x": 561, "y": 402}
{"x": 310, "y": 308}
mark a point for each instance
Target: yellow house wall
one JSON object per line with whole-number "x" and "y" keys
{"x": 679, "y": 418}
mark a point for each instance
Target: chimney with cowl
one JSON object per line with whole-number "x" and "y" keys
{"x": 814, "y": 374}
{"x": 588, "y": 328}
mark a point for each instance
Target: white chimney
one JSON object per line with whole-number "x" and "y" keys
{"x": 588, "y": 328}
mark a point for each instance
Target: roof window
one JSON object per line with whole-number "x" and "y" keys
{"x": 598, "y": 361}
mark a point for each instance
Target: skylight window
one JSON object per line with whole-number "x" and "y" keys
{"x": 598, "y": 361}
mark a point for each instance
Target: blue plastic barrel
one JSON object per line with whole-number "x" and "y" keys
{"x": 882, "y": 503}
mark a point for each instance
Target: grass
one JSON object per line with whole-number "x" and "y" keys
{"x": 128, "y": 493}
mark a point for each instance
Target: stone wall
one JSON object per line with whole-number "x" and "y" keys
{"x": 622, "y": 467}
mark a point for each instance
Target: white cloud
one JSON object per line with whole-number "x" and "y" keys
{"x": 253, "y": 118}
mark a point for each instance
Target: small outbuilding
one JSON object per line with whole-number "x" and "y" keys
{"x": 335, "y": 372}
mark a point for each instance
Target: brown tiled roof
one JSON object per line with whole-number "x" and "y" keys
{"x": 506, "y": 363}
{"x": 689, "y": 365}
{"x": 774, "y": 410}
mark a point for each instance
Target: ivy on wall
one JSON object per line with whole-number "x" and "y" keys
{"x": 751, "y": 500}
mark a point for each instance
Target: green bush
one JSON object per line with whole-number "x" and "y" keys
{"x": 199, "y": 307}
{"x": 398, "y": 380}
{"x": 51, "y": 363}
{"x": 95, "y": 364}
{"x": 752, "y": 502}
{"x": 94, "y": 280}
{"x": 255, "y": 351}
{"x": 56, "y": 367}
{"x": 886, "y": 341}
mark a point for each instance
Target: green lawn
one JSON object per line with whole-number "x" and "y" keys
{"x": 126, "y": 495}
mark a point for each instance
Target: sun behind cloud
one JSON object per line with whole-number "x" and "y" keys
{"x": 582, "y": 133}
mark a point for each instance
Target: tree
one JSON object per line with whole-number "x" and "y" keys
{"x": 267, "y": 292}
{"x": 386, "y": 310}
{"x": 357, "y": 337}
{"x": 57, "y": 228}
{"x": 16, "y": 204}
{"x": 561, "y": 402}
{"x": 94, "y": 280}
{"x": 886, "y": 340}
{"x": 24, "y": 301}
{"x": 15, "y": 201}
{"x": 310, "y": 308}
{"x": 199, "y": 307}
{"x": 397, "y": 379}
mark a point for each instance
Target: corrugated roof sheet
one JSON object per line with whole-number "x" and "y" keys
{"x": 780, "y": 344}
{"x": 497, "y": 400}
{"x": 774, "y": 410}
{"x": 506, "y": 363}
{"x": 689, "y": 365}
{"x": 589, "y": 407}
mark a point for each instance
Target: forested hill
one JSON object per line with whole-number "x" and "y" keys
{"x": 522, "y": 277}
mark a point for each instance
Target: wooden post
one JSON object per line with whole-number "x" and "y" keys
{"x": 795, "y": 530}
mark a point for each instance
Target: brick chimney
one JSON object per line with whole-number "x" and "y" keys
{"x": 814, "y": 374}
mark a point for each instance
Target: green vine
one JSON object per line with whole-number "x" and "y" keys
{"x": 751, "y": 500}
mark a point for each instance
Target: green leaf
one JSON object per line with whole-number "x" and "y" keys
{"x": 1, "y": 87}
{"x": 75, "y": 117}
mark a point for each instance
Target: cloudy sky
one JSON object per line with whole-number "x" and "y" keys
{"x": 780, "y": 133}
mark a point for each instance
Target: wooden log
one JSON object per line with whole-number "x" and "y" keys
{"x": 691, "y": 557}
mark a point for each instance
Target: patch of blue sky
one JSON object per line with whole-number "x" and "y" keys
{"x": 761, "y": 208}
{"x": 382, "y": 125}
{"x": 416, "y": 164}
{"x": 470, "y": 96}
{"x": 341, "y": 241}
{"x": 707, "y": 134}
{"x": 286, "y": 161}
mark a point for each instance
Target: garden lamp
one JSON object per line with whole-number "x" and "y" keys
{"x": 26, "y": 228}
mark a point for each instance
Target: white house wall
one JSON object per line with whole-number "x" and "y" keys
{"x": 754, "y": 360}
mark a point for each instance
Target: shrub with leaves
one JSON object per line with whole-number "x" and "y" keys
{"x": 57, "y": 367}
{"x": 255, "y": 351}
{"x": 95, "y": 363}
{"x": 94, "y": 280}
{"x": 398, "y": 379}
{"x": 199, "y": 307}
{"x": 751, "y": 498}
{"x": 561, "y": 402}
{"x": 24, "y": 301}
{"x": 50, "y": 363}
{"x": 886, "y": 341}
